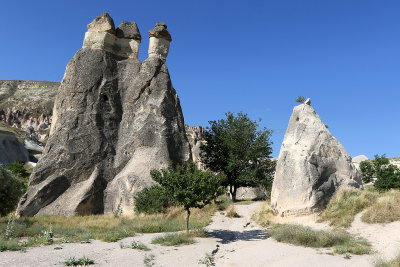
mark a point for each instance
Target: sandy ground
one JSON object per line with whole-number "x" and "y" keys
{"x": 234, "y": 242}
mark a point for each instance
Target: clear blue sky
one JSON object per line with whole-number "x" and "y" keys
{"x": 250, "y": 56}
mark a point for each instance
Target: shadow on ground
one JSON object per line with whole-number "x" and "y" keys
{"x": 228, "y": 236}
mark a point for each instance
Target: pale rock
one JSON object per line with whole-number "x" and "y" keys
{"x": 311, "y": 167}
{"x": 103, "y": 23}
{"x": 160, "y": 40}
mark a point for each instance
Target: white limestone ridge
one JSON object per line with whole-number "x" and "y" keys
{"x": 125, "y": 40}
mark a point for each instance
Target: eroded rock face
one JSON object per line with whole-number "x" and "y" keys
{"x": 11, "y": 149}
{"x": 114, "y": 120}
{"x": 311, "y": 167}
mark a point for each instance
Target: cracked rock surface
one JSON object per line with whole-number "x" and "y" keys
{"x": 114, "y": 120}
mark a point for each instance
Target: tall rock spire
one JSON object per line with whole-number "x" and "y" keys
{"x": 114, "y": 119}
{"x": 311, "y": 167}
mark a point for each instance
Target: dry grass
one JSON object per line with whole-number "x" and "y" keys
{"x": 179, "y": 239}
{"x": 385, "y": 210}
{"x": 390, "y": 263}
{"x": 345, "y": 204}
{"x": 231, "y": 213}
{"x": 265, "y": 216}
{"x": 103, "y": 227}
{"x": 341, "y": 241}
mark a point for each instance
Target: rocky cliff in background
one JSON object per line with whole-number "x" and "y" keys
{"x": 114, "y": 119}
{"x": 28, "y": 105}
{"x": 311, "y": 167}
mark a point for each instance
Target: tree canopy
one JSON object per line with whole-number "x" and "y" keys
{"x": 235, "y": 147}
{"x": 188, "y": 186}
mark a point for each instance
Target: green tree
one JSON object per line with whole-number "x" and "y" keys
{"x": 11, "y": 190}
{"x": 300, "y": 99}
{"x": 387, "y": 175}
{"x": 189, "y": 187}
{"x": 235, "y": 147}
{"x": 367, "y": 171}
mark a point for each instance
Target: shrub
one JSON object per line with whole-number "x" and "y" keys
{"x": 11, "y": 190}
{"x": 151, "y": 200}
{"x": 17, "y": 168}
{"x": 82, "y": 261}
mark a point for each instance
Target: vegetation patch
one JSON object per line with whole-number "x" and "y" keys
{"x": 179, "y": 239}
{"x": 341, "y": 241}
{"x": 385, "y": 210}
{"x": 135, "y": 245}
{"x": 232, "y": 213}
{"x": 390, "y": 263}
{"x": 35, "y": 231}
{"x": 75, "y": 262}
{"x": 265, "y": 216}
{"x": 345, "y": 204}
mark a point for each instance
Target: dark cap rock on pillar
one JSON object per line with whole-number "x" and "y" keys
{"x": 160, "y": 40}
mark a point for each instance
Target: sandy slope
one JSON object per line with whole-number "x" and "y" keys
{"x": 235, "y": 242}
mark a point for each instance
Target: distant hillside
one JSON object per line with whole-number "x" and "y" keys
{"x": 32, "y": 95}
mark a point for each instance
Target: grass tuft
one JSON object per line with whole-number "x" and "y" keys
{"x": 232, "y": 213}
{"x": 345, "y": 204}
{"x": 385, "y": 210}
{"x": 341, "y": 241}
{"x": 179, "y": 239}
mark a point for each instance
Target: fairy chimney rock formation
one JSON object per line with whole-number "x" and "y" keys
{"x": 311, "y": 167}
{"x": 160, "y": 40}
{"x": 123, "y": 41}
{"x": 114, "y": 119}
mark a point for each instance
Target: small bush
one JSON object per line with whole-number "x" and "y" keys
{"x": 139, "y": 246}
{"x": 151, "y": 200}
{"x": 341, "y": 241}
{"x": 11, "y": 189}
{"x": 17, "y": 168}
{"x": 82, "y": 261}
{"x": 385, "y": 210}
{"x": 149, "y": 260}
{"x": 345, "y": 204}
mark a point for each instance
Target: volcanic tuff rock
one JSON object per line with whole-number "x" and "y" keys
{"x": 11, "y": 149}
{"x": 114, "y": 119}
{"x": 312, "y": 166}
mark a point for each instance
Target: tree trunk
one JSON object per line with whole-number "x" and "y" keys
{"x": 187, "y": 220}
{"x": 233, "y": 193}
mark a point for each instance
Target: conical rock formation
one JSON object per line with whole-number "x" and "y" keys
{"x": 114, "y": 120}
{"x": 311, "y": 167}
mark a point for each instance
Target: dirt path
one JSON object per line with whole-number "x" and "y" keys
{"x": 234, "y": 242}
